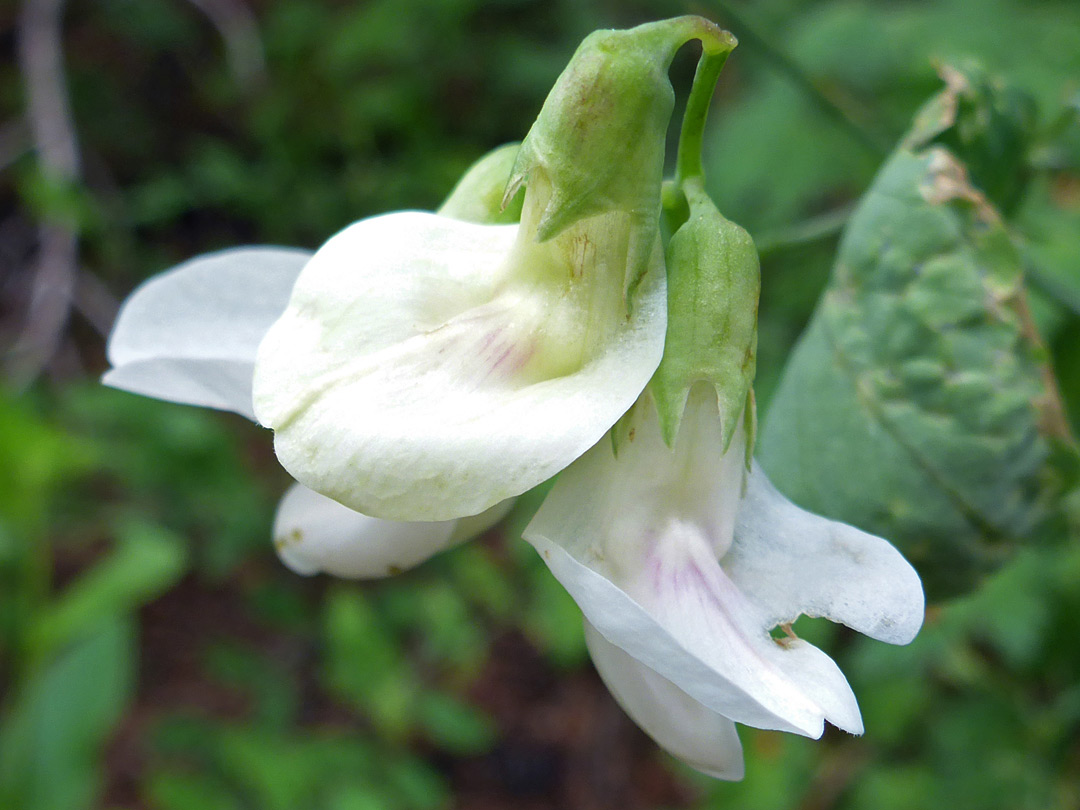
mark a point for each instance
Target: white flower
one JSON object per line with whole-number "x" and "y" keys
{"x": 190, "y": 335}
{"x": 682, "y": 562}
{"x": 427, "y": 368}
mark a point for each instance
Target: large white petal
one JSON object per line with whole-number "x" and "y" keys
{"x": 636, "y": 540}
{"x": 791, "y": 562}
{"x": 191, "y": 333}
{"x": 679, "y": 724}
{"x": 314, "y": 534}
{"x": 421, "y": 373}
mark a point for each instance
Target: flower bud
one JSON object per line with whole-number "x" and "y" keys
{"x": 478, "y": 196}
{"x": 713, "y": 285}
{"x": 599, "y": 140}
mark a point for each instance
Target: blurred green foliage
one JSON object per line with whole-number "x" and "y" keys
{"x": 152, "y": 651}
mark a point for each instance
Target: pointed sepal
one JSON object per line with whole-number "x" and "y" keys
{"x": 599, "y": 140}
{"x": 713, "y": 285}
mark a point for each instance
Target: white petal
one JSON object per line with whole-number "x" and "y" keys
{"x": 421, "y": 373}
{"x": 191, "y": 333}
{"x": 635, "y": 541}
{"x": 679, "y": 724}
{"x": 792, "y": 562}
{"x": 475, "y": 525}
{"x": 314, "y": 534}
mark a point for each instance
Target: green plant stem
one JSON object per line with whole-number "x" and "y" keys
{"x": 809, "y": 230}
{"x": 688, "y": 161}
{"x": 871, "y": 141}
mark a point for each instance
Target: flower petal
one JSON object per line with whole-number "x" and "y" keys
{"x": 635, "y": 542}
{"x": 791, "y": 562}
{"x": 314, "y": 534}
{"x": 475, "y": 525}
{"x": 414, "y": 376}
{"x": 191, "y": 333}
{"x": 677, "y": 723}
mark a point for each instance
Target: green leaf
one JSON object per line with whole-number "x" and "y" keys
{"x": 147, "y": 562}
{"x": 919, "y": 403}
{"x": 52, "y": 735}
{"x": 987, "y": 124}
{"x": 365, "y": 665}
{"x": 36, "y": 460}
{"x": 454, "y": 726}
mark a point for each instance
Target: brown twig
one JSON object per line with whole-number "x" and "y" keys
{"x": 238, "y": 28}
{"x": 53, "y": 136}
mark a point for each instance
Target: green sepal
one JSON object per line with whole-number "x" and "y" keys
{"x": 713, "y": 284}
{"x": 599, "y": 139}
{"x": 478, "y": 195}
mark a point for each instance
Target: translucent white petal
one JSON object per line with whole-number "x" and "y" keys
{"x": 791, "y": 562}
{"x": 734, "y": 691}
{"x": 314, "y": 534}
{"x": 191, "y": 333}
{"x": 679, "y": 724}
{"x": 428, "y": 368}
{"x": 635, "y": 541}
{"x": 475, "y": 525}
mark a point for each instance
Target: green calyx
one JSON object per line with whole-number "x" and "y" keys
{"x": 599, "y": 139}
{"x": 713, "y": 285}
{"x": 714, "y": 281}
{"x": 478, "y": 195}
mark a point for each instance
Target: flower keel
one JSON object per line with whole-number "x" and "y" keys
{"x": 667, "y": 555}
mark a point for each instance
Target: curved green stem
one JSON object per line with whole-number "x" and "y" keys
{"x": 688, "y": 161}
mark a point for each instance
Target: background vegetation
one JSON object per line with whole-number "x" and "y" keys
{"x": 154, "y": 653}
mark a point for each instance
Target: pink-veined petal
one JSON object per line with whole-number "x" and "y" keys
{"x": 635, "y": 541}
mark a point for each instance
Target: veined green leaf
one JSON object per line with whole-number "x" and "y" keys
{"x": 919, "y": 404}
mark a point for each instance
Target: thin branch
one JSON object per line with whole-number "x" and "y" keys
{"x": 53, "y": 134}
{"x": 239, "y": 29}
{"x": 872, "y": 141}
{"x": 42, "y": 62}
{"x": 810, "y": 230}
